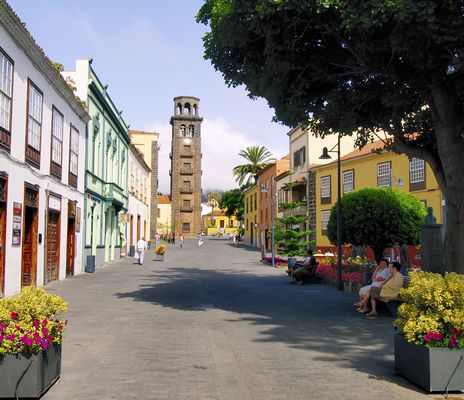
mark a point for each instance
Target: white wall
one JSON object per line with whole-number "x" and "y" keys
{"x": 20, "y": 172}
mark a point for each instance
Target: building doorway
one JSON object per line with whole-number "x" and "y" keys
{"x": 131, "y": 230}
{"x": 138, "y": 227}
{"x": 71, "y": 237}
{"x": 3, "y": 202}
{"x": 30, "y": 236}
{"x": 53, "y": 246}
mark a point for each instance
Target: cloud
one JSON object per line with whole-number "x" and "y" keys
{"x": 220, "y": 145}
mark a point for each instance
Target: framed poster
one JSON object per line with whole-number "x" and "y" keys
{"x": 78, "y": 219}
{"x": 17, "y": 218}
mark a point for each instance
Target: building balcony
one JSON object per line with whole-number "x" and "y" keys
{"x": 301, "y": 210}
{"x": 114, "y": 194}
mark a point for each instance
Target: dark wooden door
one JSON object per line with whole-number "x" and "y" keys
{"x": 70, "y": 247}
{"x": 53, "y": 247}
{"x": 131, "y": 230}
{"x": 29, "y": 253}
{"x": 138, "y": 228}
{"x": 2, "y": 245}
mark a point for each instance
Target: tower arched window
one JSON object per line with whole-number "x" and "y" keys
{"x": 195, "y": 110}
{"x": 187, "y": 108}
{"x": 182, "y": 130}
{"x": 190, "y": 131}
{"x": 178, "y": 109}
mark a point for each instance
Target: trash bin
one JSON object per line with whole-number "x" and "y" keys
{"x": 90, "y": 264}
{"x": 131, "y": 251}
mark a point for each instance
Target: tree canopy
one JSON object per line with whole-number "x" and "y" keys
{"x": 233, "y": 202}
{"x": 378, "y": 218}
{"x": 257, "y": 157}
{"x": 369, "y": 68}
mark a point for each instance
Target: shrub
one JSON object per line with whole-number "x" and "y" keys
{"x": 160, "y": 249}
{"x": 433, "y": 310}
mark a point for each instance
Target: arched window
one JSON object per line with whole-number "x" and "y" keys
{"x": 191, "y": 130}
{"x": 182, "y": 130}
{"x": 195, "y": 110}
{"x": 178, "y": 109}
{"x": 187, "y": 108}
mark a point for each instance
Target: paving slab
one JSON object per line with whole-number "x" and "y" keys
{"x": 211, "y": 322}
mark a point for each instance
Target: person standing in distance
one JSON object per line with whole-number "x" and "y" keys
{"x": 141, "y": 247}
{"x": 181, "y": 240}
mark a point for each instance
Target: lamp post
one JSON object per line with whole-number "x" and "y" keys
{"x": 325, "y": 156}
{"x": 264, "y": 190}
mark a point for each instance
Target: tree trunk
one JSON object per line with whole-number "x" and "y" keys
{"x": 453, "y": 249}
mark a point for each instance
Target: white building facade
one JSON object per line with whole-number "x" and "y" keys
{"x": 138, "y": 215}
{"x": 42, "y": 147}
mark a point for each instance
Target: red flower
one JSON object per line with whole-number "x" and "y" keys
{"x": 14, "y": 315}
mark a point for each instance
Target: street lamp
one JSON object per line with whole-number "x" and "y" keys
{"x": 264, "y": 190}
{"x": 326, "y": 156}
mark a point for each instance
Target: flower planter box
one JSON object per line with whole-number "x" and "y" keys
{"x": 40, "y": 371}
{"x": 429, "y": 368}
{"x": 159, "y": 257}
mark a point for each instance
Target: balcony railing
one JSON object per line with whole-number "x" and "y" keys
{"x": 301, "y": 210}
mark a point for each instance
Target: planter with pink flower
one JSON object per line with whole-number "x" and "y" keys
{"x": 429, "y": 346}
{"x": 159, "y": 252}
{"x": 31, "y": 334}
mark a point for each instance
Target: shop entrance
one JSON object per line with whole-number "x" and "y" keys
{"x": 3, "y": 199}
{"x": 30, "y": 236}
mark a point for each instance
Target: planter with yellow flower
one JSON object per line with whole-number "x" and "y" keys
{"x": 429, "y": 349}
{"x": 159, "y": 252}
{"x": 30, "y": 343}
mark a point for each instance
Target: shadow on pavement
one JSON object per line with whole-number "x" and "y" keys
{"x": 313, "y": 317}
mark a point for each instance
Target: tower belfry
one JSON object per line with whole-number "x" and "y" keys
{"x": 186, "y": 166}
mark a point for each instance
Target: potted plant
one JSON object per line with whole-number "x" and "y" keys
{"x": 159, "y": 252}
{"x": 31, "y": 335}
{"x": 429, "y": 348}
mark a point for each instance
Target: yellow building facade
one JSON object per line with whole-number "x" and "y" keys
{"x": 217, "y": 223}
{"x": 251, "y": 216}
{"x": 363, "y": 168}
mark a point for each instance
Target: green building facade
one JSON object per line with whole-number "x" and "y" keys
{"x": 107, "y": 144}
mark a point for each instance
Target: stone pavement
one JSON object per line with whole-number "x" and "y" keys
{"x": 211, "y": 322}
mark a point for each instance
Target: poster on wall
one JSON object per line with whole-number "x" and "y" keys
{"x": 78, "y": 219}
{"x": 17, "y": 216}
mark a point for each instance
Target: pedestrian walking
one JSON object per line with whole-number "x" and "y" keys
{"x": 181, "y": 241}
{"x": 157, "y": 239}
{"x": 141, "y": 247}
{"x": 200, "y": 240}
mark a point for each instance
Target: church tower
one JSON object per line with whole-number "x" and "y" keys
{"x": 186, "y": 166}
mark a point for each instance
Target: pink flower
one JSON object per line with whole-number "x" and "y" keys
{"x": 11, "y": 337}
{"x": 433, "y": 337}
{"x": 44, "y": 322}
{"x": 3, "y": 327}
{"x": 1, "y": 338}
{"x": 44, "y": 344}
{"x": 50, "y": 338}
{"x": 45, "y": 331}
{"x": 17, "y": 327}
{"x": 14, "y": 315}
{"x": 26, "y": 340}
{"x": 36, "y": 324}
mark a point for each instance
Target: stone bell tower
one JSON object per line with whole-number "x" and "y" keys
{"x": 186, "y": 166}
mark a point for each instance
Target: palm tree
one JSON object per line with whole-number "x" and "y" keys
{"x": 258, "y": 158}
{"x": 213, "y": 201}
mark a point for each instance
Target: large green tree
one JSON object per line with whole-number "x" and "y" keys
{"x": 258, "y": 158}
{"x": 378, "y": 218}
{"x": 360, "y": 67}
{"x": 233, "y": 202}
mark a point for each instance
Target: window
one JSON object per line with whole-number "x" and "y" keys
{"x": 299, "y": 157}
{"x": 34, "y": 124}
{"x": 348, "y": 181}
{"x": 325, "y": 190}
{"x": 384, "y": 174}
{"x": 132, "y": 182}
{"x": 73, "y": 156}
{"x": 256, "y": 202}
{"x": 57, "y": 142}
{"x": 221, "y": 223}
{"x": 416, "y": 174}
{"x": 185, "y": 227}
{"x": 246, "y": 205}
{"x": 325, "y": 216}
{"x": 6, "y": 93}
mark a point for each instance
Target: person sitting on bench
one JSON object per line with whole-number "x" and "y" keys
{"x": 381, "y": 274}
{"x": 388, "y": 289}
{"x": 306, "y": 268}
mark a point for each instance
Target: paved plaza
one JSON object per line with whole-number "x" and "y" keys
{"x": 212, "y": 322}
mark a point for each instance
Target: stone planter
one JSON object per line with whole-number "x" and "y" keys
{"x": 429, "y": 368}
{"x": 33, "y": 373}
{"x": 159, "y": 257}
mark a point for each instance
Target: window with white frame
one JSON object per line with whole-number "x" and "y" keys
{"x": 325, "y": 216}
{"x": 325, "y": 189}
{"x": 6, "y": 91}
{"x": 416, "y": 170}
{"x": 348, "y": 181}
{"x": 34, "y": 123}
{"x": 384, "y": 174}
{"x": 74, "y": 151}
{"x": 57, "y": 136}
